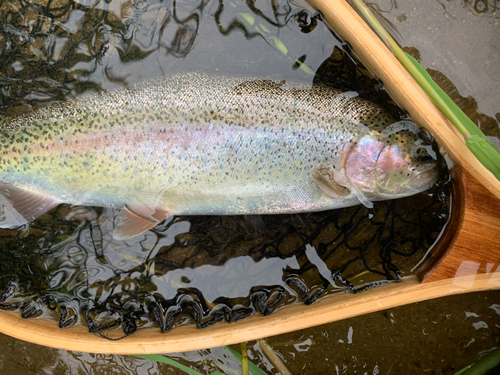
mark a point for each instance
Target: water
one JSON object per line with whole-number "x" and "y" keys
{"x": 458, "y": 42}
{"x": 227, "y": 266}
{"x": 62, "y": 50}
{"x": 68, "y": 267}
{"x": 432, "y": 337}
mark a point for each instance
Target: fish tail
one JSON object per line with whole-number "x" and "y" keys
{"x": 19, "y": 206}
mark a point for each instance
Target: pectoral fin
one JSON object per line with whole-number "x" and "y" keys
{"x": 328, "y": 184}
{"x": 361, "y": 197}
{"x": 136, "y": 219}
{"x": 333, "y": 189}
{"x": 19, "y": 206}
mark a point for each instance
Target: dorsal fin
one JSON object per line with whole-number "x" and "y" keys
{"x": 136, "y": 219}
{"x": 19, "y": 206}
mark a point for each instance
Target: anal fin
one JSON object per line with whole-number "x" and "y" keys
{"x": 136, "y": 219}
{"x": 19, "y": 206}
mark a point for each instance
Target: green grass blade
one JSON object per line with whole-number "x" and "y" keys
{"x": 254, "y": 369}
{"x": 273, "y": 41}
{"x": 305, "y": 68}
{"x": 408, "y": 64}
{"x": 476, "y": 141}
{"x": 373, "y": 22}
{"x": 250, "y": 19}
{"x": 461, "y": 372}
{"x": 279, "y": 45}
{"x": 483, "y": 365}
{"x": 169, "y": 361}
{"x": 470, "y": 127}
{"x": 485, "y": 152}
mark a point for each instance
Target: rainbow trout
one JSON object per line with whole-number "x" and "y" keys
{"x": 194, "y": 144}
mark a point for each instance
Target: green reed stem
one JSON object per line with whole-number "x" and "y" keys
{"x": 254, "y": 369}
{"x": 244, "y": 358}
{"x": 483, "y": 365}
{"x": 476, "y": 141}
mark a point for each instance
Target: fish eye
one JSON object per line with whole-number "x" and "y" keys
{"x": 422, "y": 156}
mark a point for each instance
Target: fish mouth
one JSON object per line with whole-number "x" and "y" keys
{"x": 423, "y": 180}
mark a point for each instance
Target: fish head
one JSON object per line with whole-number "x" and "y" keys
{"x": 401, "y": 160}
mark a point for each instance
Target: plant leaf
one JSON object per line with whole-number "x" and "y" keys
{"x": 373, "y": 22}
{"x": 476, "y": 141}
{"x": 248, "y": 18}
{"x": 254, "y": 369}
{"x": 482, "y": 366}
{"x": 464, "y": 119}
{"x": 279, "y": 45}
{"x": 304, "y": 67}
{"x": 485, "y": 152}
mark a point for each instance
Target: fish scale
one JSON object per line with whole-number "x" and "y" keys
{"x": 199, "y": 144}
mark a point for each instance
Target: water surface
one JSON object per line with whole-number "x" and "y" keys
{"x": 432, "y": 337}
{"x": 55, "y": 50}
{"x": 458, "y": 42}
{"x": 66, "y": 265}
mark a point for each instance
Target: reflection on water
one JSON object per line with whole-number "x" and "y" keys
{"x": 67, "y": 266}
{"x": 207, "y": 269}
{"x": 458, "y": 42}
{"x": 86, "y": 363}
{"x": 211, "y": 268}
{"x": 437, "y": 337}
{"x": 57, "y": 49}
{"x": 440, "y": 337}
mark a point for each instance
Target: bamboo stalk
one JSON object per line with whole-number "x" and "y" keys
{"x": 273, "y": 357}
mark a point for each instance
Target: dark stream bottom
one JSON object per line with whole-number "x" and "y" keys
{"x": 432, "y": 337}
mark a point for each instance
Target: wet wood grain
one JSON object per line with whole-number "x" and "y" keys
{"x": 476, "y": 248}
